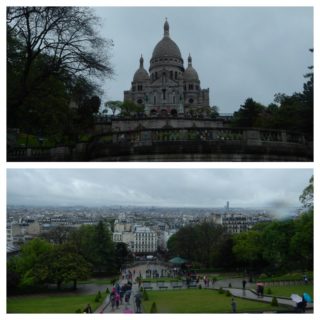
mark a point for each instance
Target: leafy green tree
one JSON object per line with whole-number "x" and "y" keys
{"x": 209, "y": 239}
{"x": 248, "y": 113}
{"x": 200, "y": 243}
{"x": 301, "y": 243}
{"x": 113, "y": 106}
{"x": 94, "y": 243}
{"x": 61, "y": 265}
{"x": 214, "y": 111}
{"x": 30, "y": 255}
{"x": 183, "y": 243}
{"x": 306, "y": 197}
{"x": 248, "y": 249}
{"x": 276, "y": 239}
{"x": 129, "y": 108}
{"x": 57, "y": 235}
{"x": 122, "y": 254}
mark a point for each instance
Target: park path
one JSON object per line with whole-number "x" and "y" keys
{"x": 235, "y": 290}
{"x": 124, "y": 307}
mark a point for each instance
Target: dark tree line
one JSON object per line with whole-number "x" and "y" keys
{"x": 271, "y": 247}
{"x": 64, "y": 256}
{"x": 54, "y": 57}
{"x": 289, "y": 112}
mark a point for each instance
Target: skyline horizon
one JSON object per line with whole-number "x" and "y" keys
{"x": 203, "y": 188}
{"x": 142, "y": 206}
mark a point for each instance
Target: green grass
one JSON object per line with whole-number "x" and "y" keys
{"x": 97, "y": 281}
{"x": 51, "y": 304}
{"x": 286, "y": 291}
{"x": 202, "y": 301}
{"x": 33, "y": 141}
{"x": 296, "y": 276}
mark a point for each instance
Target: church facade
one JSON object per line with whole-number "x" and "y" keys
{"x": 168, "y": 88}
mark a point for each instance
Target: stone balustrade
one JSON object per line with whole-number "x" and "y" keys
{"x": 179, "y": 144}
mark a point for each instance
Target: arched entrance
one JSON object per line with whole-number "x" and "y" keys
{"x": 153, "y": 112}
{"x": 163, "y": 113}
{"x": 174, "y": 112}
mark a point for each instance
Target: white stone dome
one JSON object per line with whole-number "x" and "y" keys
{"x": 141, "y": 74}
{"x": 190, "y": 74}
{"x": 166, "y": 47}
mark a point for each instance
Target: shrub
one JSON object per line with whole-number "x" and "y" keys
{"x": 200, "y": 286}
{"x": 221, "y": 291}
{"x": 98, "y": 297}
{"x": 78, "y": 311}
{"x": 107, "y": 291}
{"x": 274, "y": 302}
{"x": 230, "y": 286}
{"x": 153, "y": 308}
{"x": 269, "y": 291}
{"x": 228, "y": 293}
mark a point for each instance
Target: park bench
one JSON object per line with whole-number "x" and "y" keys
{"x": 162, "y": 285}
{"x": 149, "y": 287}
{"x": 192, "y": 284}
{"x": 176, "y": 285}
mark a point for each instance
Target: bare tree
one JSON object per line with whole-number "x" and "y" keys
{"x": 66, "y": 37}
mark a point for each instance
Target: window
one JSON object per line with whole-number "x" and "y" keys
{"x": 139, "y": 87}
{"x": 190, "y": 86}
{"x": 190, "y": 100}
{"x": 173, "y": 99}
{"x": 154, "y": 99}
{"x": 156, "y": 75}
{"x": 133, "y": 88}
{"x": 164, "y": 94}
{"x": 139, "y": 101}
{"x": 171, "y": 74}
{"x": 176, "y": 75}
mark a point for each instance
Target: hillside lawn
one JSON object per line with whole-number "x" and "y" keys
{"x": 203, "y": 301}
{"x": 52, "y": 304}
{"x": 286, "y": 291}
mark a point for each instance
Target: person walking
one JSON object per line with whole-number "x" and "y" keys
{"x": 233, "y": 306}
{"x": 244, "y": 282}
{"x": 113, "y": 298}
{"x": 138, "y": 302}
{"x": 87, "y": 309}
{"x": 117, "y": 299}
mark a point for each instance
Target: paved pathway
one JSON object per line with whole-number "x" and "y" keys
{"x": 124, "y": 307}
{"x": 235, "y": 290}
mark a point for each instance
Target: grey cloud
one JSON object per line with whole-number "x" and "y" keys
{"x": 239, "y": 52}
{"x": 160, "y": 187}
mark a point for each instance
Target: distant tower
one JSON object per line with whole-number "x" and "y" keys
{"x": 227, "y": 206}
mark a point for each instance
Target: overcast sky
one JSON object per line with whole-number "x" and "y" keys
{"x": 239, "y": 52}
{"x": 157, "y": 187}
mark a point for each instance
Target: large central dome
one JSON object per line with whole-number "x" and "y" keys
{"x": 166, "y": 48}
{"x": 166, "y": 52}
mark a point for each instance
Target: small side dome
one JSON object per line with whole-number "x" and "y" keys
{"x": 141, "y": 74}
{"x": 190, "y": 74}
